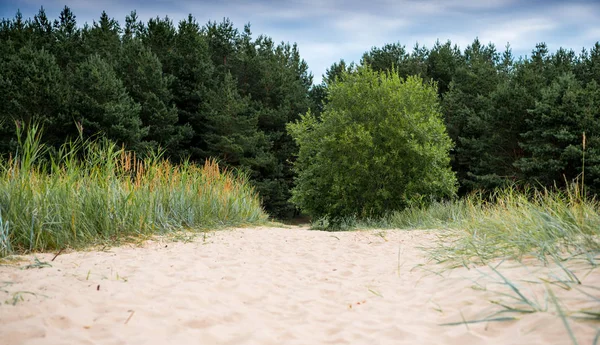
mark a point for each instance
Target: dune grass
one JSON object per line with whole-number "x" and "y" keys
{"x": 508, "y": 224}
{"x": 557, "y": 228}
{"x": 91, "y": 191}
{"x": 550, "y": 225}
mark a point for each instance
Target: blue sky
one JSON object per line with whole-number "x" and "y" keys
{"x": 329, "y": 30}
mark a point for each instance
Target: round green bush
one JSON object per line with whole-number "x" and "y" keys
{"x": 380, "y": 145}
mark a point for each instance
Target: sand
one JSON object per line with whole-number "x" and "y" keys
{"x": 279, "y": 286}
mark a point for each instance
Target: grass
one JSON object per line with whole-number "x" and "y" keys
{"x": 520, "y": 297}
{"x": 91, "y": 192}
{"x": 36, "y": 264}
{"x": 550, "y": 225}
{"x": 556, "y": 228}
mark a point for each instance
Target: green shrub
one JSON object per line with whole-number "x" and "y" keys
{"x": 379, "y": 146}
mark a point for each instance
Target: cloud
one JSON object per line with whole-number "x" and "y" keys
{"x": 359, "y": 23}
{"x": 521, "y": 32}
{"x": 329, "y": 30}
{"x": 592, "y": 34}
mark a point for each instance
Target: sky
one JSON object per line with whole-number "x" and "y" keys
{"x": 329, "y": 30}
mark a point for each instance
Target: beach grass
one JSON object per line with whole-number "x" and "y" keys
{"x": 552, "y": 226}
{"x": 559, "y": 229}
{"x": 91, "y": 191}
{"x": 548, "y": 224}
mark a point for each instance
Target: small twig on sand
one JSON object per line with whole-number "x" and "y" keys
{"x": 130, "y": 315}
{"x": 57, "y": 254}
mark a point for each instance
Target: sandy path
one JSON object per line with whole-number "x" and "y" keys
{"x": 269, "y": 286}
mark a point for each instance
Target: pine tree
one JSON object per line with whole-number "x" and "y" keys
{"x": 101, "y": 104}
{"x": 43, "y": 32}
{"x": 443, "y": 61}
{"x": 159, "y": 35}
{"x": 467, "y": 108}
{"x": 103, "y": 38}
{"x": 133, "y": 27}
{"x": 337, "y": 71}
{"x": 388, "y": 57}
{"x": 587, "y": 67}
{"x": 68, "y": 44}
{"x": 142, "y": 75}
{"x": 554, "y": 140}
{"x": 276, "y": 81}
{"x": 190, "y": 65}
{"x": 31, "y": 90}
{"x": 232, "y": 133}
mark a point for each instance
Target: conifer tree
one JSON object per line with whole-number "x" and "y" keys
{"x": 31, "y": 90}
{"x": 68, "y": 45}
{"x": 467, "y": 108}
{"x": 100, "y": 103}
{"x": 142, "y": 75}
{"x": 103, "y": 38}
{"x": 554, "y": 140}
{"x": 232, "y": 133}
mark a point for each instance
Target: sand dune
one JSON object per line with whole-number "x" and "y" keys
{"x": 277, "y": 286}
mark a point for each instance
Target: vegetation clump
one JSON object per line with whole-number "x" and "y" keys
{"x": 379, "y": 146}
{"x": 546, "y": 224}
{"x": 91, "y": 191}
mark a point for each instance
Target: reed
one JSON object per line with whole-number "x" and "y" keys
{"x": 91, "y": 191}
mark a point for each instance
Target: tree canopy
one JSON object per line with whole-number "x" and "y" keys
{"x": 379, "y": 146}
{"x": 215, "y": 90}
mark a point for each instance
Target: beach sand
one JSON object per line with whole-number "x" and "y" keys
{"x": 280, "y": 286}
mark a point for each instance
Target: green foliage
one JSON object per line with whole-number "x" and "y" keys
{"x": 68, "y": 45}
{"x": 388, "y": 57}
{"x": 443, "y": 60}
{"x": 467, "y": 107}
{"x": 101, "y": 104}
{"x": 232, "y": 129}
{"x": 90, "y": 192}
{"x": 339, "y": 69}
{"x": 554, "y": 139}
{"x": 187, "y": 59}
{"x": 438, "y": 64}
{"x": 175, "y": 86}
{"x": 379, "y": 146}
{"x": 31, "y": 89}
{"x": 272, "y": 84}
{"x": 103, "y": 38}
{"x": 142, "y": 75}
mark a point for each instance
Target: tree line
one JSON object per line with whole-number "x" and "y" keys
{"x": 213, "y": 90}
{"x": 195, "y": 91}
{"x": 529, "y": 121}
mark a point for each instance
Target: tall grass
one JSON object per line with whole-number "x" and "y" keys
{"x": 546, "y": 224}
{"x": 511, "y": 223}
{"x": 91, "y": 191}
{"x": 556, "y": 227}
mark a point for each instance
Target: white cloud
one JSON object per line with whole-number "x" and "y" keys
{"x": 328, "y": 30}
{"x": 592, "y": 34}
{"x": 521, "y": 33}
{"x": 357, "y": 23}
